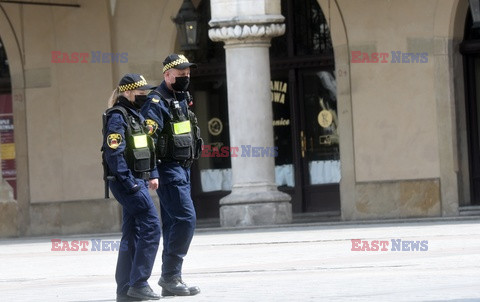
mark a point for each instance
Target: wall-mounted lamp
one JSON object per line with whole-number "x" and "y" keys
{"x": 475, "y": 9}
{"x": 187, "y": 21}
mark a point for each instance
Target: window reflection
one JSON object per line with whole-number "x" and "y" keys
{"x": 321, "y": 136}
{"x": 282, "y": 131}
{"x": 311, "y": 33}
{"x": 212, "y": 113}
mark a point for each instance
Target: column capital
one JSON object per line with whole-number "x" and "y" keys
{"x": 261, "y": 32}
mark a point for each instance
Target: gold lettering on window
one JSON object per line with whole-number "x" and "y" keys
{"x": 279, "y": 90}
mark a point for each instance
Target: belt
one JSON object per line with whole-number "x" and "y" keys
{"x": 184, "y": 163}
{"x": 142, "y": 175}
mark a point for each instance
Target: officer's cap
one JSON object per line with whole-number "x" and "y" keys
{"x": 176, "y": 61}
{"x": 132, "y": 81}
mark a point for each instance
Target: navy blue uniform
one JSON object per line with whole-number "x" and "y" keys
{"x": 177, "y": 210}
{"x": 141, "y": 225}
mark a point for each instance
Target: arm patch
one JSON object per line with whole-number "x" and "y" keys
{"x": 114, "y": 140}
{"x": 152, "y": 126}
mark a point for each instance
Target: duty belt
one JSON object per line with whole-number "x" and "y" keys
{"x": 142, "y": 175}
{"x": 184, "y": 163}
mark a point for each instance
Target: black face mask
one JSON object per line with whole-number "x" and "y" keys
{"x": 181, "y": 83}
{"x": 140, "y": 99}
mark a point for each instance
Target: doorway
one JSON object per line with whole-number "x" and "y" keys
{"x": 470, "y": 49}
{"x": 304, "y": 107}
{"x": 473, "y": 125}
{"x": 305, "y": 132}
{"x": 305, "y": 124}
{"x": 7, "y": 141}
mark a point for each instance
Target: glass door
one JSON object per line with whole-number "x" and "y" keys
{"x": 319, "y": 143}
{"x": 305, "y": 132}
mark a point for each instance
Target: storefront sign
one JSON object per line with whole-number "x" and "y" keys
{"x": 279, "y": 90}
{"x": 281, "y": 122}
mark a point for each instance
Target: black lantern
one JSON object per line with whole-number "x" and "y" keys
{"x": 475, "y": 9}
{"x": 187, "y": 21}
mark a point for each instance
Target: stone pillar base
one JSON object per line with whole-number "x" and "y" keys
{"x": 8, "y": 219}
{"x": 256, "y": 208}
{"x": 8, "y": 211}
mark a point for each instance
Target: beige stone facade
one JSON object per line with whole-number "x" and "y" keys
{"x": 401, "y": 125}
{"x": 399, "y": 120}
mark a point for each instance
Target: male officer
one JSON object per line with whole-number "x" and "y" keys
{"x": 128, "y": 155}
{"x": 177, "y": 139}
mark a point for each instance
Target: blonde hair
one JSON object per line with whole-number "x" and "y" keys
{"x": 113, "y": 98}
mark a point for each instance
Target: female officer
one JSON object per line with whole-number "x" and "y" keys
{"x": 127, "y": 154}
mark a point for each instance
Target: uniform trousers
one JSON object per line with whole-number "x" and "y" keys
{"x": 177, "y": 214}
{"x": 140, "y": 236}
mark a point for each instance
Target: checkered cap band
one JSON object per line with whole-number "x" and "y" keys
{"x": 180, "y": 60}
{"x": 132, "y": 86}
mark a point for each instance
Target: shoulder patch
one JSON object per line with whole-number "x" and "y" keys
{"x": 152, "y": 126}
{"x": 155, "y": 100}
{"x": 114, "y": 140}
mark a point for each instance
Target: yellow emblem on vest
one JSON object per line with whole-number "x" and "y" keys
{"x": 152, "y": 126}
{"x": 181, "y": 127}
{"x": 114, "y": 140}
{"x": 155, "y": 100}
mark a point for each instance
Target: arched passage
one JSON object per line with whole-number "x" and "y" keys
{"x": 468, "y": 106}
{"x": 339, "y": 38}
{"x": 11, "y": 43}
{"x": 7, "y": 140}
{"x": 304, "y": 88}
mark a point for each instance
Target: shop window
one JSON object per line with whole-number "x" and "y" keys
{"x": 7, "y": 143}
{"x": 307, "y": 31}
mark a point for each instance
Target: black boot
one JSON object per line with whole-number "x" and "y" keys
{"x": 176, "y": 287}
{"x": 126, "y": 298}
{"x": 142, "y": 293}
{"x": 193, "y": 291}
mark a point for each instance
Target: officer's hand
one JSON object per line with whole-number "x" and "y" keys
{"x": 153, "y": 183}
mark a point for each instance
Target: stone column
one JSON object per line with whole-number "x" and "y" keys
{"x": 246, "y": 27}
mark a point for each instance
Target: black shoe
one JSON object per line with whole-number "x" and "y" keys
{"x": 142, "y": 293}
{"x": 125, "y": 298}
{"x": 175, "y": 287}
{"x": 194, "y": 290}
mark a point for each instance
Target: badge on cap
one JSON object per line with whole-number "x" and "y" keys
{"x": 114, "y": 140}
